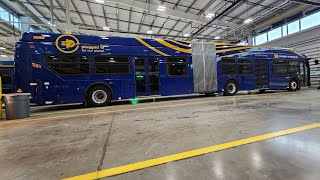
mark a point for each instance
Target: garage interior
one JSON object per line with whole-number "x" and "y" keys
{"x": 252, "y": 135}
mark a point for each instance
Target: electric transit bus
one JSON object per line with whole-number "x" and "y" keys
{"x": 64, "y": 68}
{"x": 6, "y": 73}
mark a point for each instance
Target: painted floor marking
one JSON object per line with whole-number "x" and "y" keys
{"x": 187, "y": 154}
{"x": 122, "y": 110}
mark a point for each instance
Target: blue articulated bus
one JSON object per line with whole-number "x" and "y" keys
{"x": 6, "y": 73}
{"x": 64, "y": 68}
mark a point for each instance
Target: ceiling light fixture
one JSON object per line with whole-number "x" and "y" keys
{"x": 2, "y": 48}
{"x": 3, "y": 55}
{"x": 161, "y": 8}
{"x": 217, "y": 37}
{"x": 186, "y": 35}
{"x": 210, "y": 15}
{"x": 100, "y": 1}
{"x": 149, "y": 32}
{"x": 247, "y": 21}
{"x": 106, "y": 28}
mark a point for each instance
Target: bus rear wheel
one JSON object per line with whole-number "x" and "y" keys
{"x": 293, "y": 85}
{"x": 98, "y": 96}
{"x": 231, "y": 88}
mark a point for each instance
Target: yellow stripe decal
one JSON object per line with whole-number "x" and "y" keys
{"x": 187, "y": 154}
{"x": 152, "y": 48}
{"x": 176, "y": 42}
{"x": 234, "y": 49}
{"x": 173, "y": 46}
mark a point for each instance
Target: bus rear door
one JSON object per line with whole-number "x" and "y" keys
{"x": 147, "y": 76}
{"x": 261, "y": 71}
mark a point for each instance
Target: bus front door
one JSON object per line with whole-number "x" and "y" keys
{"x": 261, "y": 74}
{"x": 147, "y": 76}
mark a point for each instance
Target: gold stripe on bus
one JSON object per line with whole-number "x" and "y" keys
{"x": 173, "y": 46}
{"x": 176, "y": 42}
{"x": 152, "y": 48}
{"x": 234, "y": 49}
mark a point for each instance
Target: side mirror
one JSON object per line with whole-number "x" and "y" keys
{"x": 316, "y": 61}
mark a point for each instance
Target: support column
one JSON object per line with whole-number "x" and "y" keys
{"x": 68, "y": 19}
{"x": 25, "y": 24}
{"x": 51, "y": 12}
{"x": 250, "y": 40}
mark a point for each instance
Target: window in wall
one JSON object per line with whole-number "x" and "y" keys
{"x": 293, "y": 27}
{"x": 4, "y": 14}
{"x": 68, "y": 64}
{"x": 262, "y": 38}
{"x": 228, "y": 66}
{"x": 15, "y": 21}
{"x": 293, "y": 67}
{"x": 245, "y": 67}
{"x": 274, "y": 34}
{"x": 310, "y": 21}
{"x": 284, "y": 30}
{"x": 112, "y": 65}
{"x": 177, "y": 66}
{"x": 279, "y": 67}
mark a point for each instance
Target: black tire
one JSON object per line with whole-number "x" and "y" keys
{"x": 293, "y": 85}
{"x": 231, "y": 88}
{"x": 262, "y": 91}
{"x": 98, "y": 96}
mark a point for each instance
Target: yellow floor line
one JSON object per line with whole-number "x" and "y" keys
{"x": 187, "y": 154}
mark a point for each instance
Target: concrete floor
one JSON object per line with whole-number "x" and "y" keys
{"x": 66, "y": 141}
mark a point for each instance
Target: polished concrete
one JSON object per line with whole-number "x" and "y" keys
{"x": 65, "y": 141}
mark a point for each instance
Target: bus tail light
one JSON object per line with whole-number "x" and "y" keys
{"x": 19, "y": 90}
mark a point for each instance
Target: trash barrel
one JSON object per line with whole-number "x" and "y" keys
{"x": 17, "y": 105}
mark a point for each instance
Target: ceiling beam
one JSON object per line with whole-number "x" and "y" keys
{"x": 235, "y": 3}
{"x": 307, "y": 2}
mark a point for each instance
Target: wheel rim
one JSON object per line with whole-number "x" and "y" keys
{"x": 294, "y": 85}
{"x": 231, "y": 88}
{"x": 99, "y": 96}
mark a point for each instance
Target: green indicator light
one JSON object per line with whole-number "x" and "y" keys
{"x": 139, "y": 77}
{"x": 134, "y": 101}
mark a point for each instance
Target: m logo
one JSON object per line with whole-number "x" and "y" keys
{"x": 67, "y": 43}
{"x": 276, "y": 56}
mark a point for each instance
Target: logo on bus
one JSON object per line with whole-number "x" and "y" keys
{"x": 67, "y": 43}
{"x": 276, "y": 56}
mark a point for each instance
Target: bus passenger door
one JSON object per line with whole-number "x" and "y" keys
{"x": 303, "y": 74}
{"x": 261, "y": 73}
{"x": 147, "y": 76}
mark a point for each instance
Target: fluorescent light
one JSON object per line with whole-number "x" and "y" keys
{"x": 217, "y": 37}
{"x": 3, "y": 55}
{"x": 161, "y": 8}
{"x": 100, "y": 1}
{"x": 149, "y": 32}
{"x": 2, "y": 48}
{"x": 186, "y": 35}
{"x": 106, "y": 28}
{"x": 210, "y": 15}
{"x": 247, "y": 21}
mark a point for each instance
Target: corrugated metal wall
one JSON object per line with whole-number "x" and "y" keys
{"x": 306, "y": 42}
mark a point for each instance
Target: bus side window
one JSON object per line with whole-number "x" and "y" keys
{"x": 112, "y": 65}
{"x": 245, "y": 67}
{"x": 228, "y": 66}
{"x": 293, "y": 67}
{"x": 279, "y": 67}
{"x": 316, "y": 62}
{"x": 68, "y": 64}
{"x": 6, "y": 76}
{"x": 177, "y": 66}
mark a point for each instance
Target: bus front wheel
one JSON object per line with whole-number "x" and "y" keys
{"x": 98, "y": 96}
{"x": 231, "y": 88}
{"x": 293, "y": 85}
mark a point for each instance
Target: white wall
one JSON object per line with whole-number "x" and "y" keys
{"x": 306, "y": 42}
